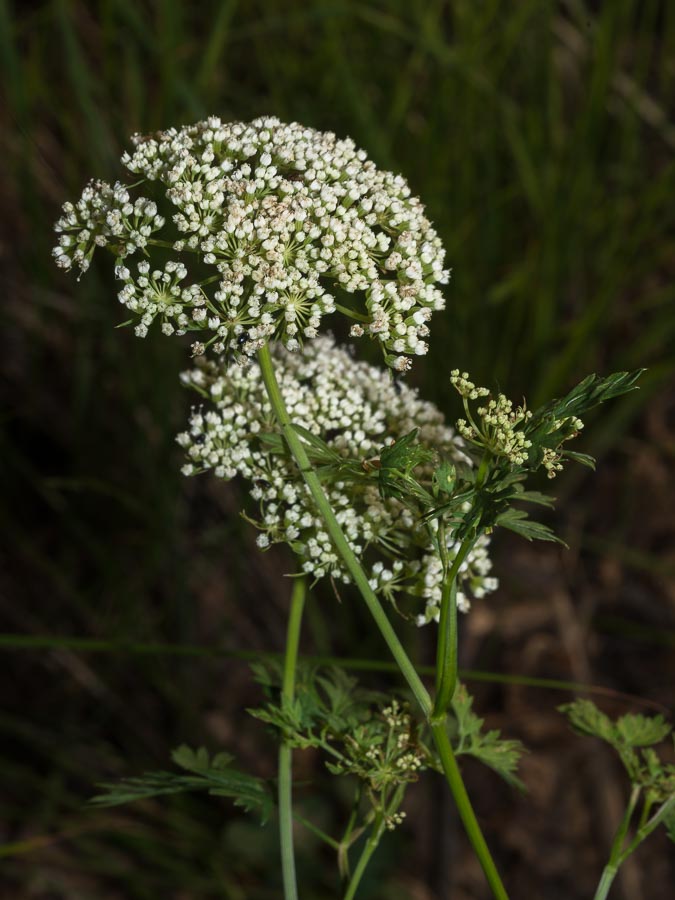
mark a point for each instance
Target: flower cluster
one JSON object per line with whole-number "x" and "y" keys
{"x": 356, "y": 409}
{"x": 270, "y": 223}
{"x": 384, "y": 752}
{"x": 503, "y": 430}
{"x": 500, "y": 429}
{"x": 104, "y": 215}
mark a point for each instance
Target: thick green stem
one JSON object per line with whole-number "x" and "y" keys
{"x": 285, "y": 751}
{"x": 404, "y": 663}
{"x": 465, "y": 810}
{"x": 364, "y": 859}
{"x": 347, "y": 555}
{"x": 446, "y": 649}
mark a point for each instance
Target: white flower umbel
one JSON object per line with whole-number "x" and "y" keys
{"x": 270, "y": 224}
{"x": 355, "y": 409}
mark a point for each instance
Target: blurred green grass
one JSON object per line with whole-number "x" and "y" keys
{"x": 540, "y": 136}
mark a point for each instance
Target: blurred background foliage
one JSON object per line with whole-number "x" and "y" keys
{"x": 540, "y": 135}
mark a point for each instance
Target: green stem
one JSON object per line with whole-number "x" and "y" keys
{"x": 364, "y": 859}
{"x": 388, "y": 809}
{"x": 612, "y": 867}
{"x": 310, "y": 826}
{"x": 285, "y": 751}
{"x": 359, "y": 317}
{"x": 645, "y": 830}
{"x": 346, "y": 553}
{"x": 465, "y": 810}
{"x": 644, "y": 815}
{"x": 608, "y": 876}
{"x": 446, "y": 649}
{"x": 360, "y": 579}
{"x": 348, "y": 837}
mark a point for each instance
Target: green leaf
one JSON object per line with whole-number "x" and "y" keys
{"x": 328, "y": 700}
{"x": 198, "y": 760}
{"x": 152, "y": 784}
{"x": 626, "y": 735}
{"x": 628, "y": 731}
{"x": 588, "y": 394}
{"x": 445, "y": 477}
{"x": 535, "y": 497}
{"x": 585, "y": 717}
{"x": 642, "y": 731}
{"x": 319, "y": 446}
{"x": 583, "y": 458}
{"x": 517, "y": 520}
{"x": 398, "y": 454}
{"x": 405, "y": 454}
{"x": 215, "y": 776}
{"x": 499, "y": 754}
{"x": 272, "y": 441}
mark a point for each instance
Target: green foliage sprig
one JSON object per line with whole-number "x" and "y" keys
{"x": 372, "y": 735}
{"x": 215, "y": 775}
{"x": 652, "y": 780}
{"x": 507, "y": 445}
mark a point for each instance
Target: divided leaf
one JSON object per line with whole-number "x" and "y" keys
{"x": 632, "y": 736}
{"x": 642, "y": 731}
{"x": 586, "y": 718}
{"x": 588, "y": 394}
{"x": 518, "y": 520}
{"x": 151, "y": 784}
{"x": 198, "y": 760}
{"x": 404, "y": 454}
{"x": 499, "y": 754}
{"x": 396, "y": 466}
{"x": 215, "y": 776}
{"x": 326, "y": 701}
{"x": 628, "y": 731}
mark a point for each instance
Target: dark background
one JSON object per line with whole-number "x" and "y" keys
{"x": 540, "y": 136}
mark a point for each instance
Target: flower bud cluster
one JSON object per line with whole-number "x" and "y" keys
{"x": 268, "y": 220}
{"x": 552, "y": 457}
{"x": 466, "y": 388}
{"x": 356, "y": 409}
{"x": 503, "y": 430}
{"x": 500, "y": 429}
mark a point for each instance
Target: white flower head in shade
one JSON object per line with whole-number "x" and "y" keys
{"x": 269, "y": 227}
{"x": 355, "y": 409}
